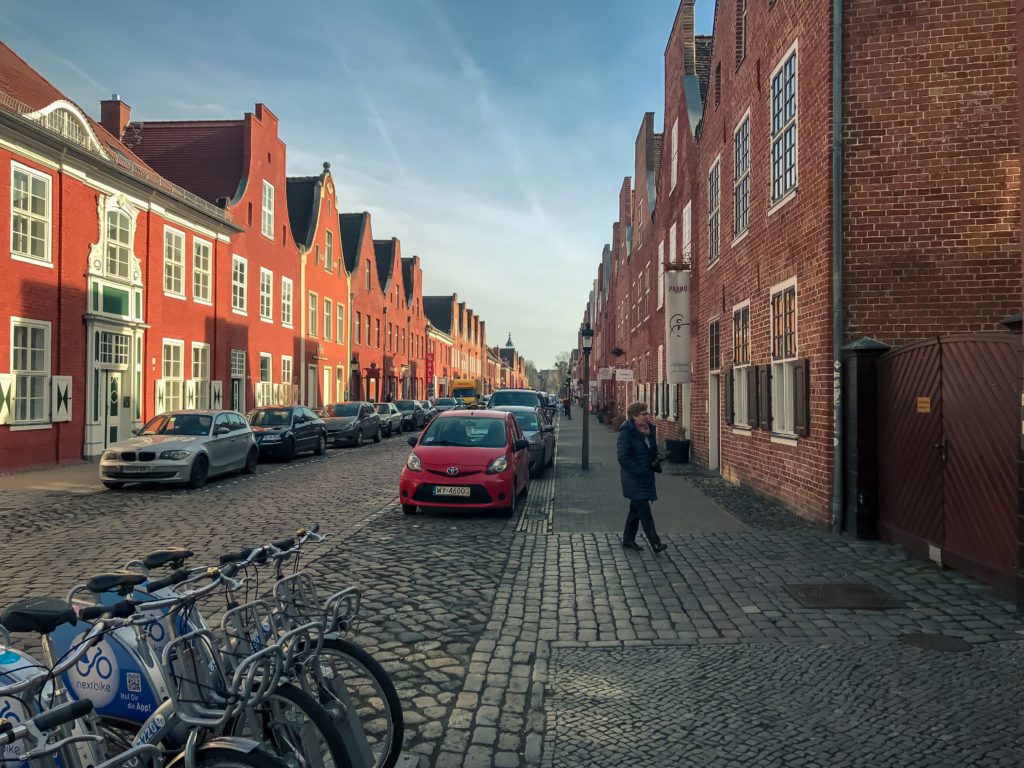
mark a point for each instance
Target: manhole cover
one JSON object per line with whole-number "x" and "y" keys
{"x": 935, "y": 642}
{"x": 855, "y": 596}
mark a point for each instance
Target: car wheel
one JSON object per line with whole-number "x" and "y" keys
{"x": 250, "y": 461}
{"x": 113, "y": 485}
{"x": 359, "y": 438}
{"x": 289, "y": 449}
{"x": 321, "y": 445}
{"x": 200, "y": 469}
{"x": 377, "y": 437}
{"x": 401, "y": 428}
{"x": 409, "y": 509}
{"x": 551, "y": 461}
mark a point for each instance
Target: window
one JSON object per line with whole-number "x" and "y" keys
{"x": 740, "y": 362}
{"x": 174, "y": 262}
{"x": 266, "y": 366}
{"x": 113, "y": 349}
{"x": 30, "y": 215}
{"x": 238, "y": 269}
{"x": 378, "y": 333}
{"x": 741, "y": 177}
{"x": 316, "y": 254}
{"x": 314, "y": 305}
{"x": 686, "y": 234}
{"x": 286, "y": 302}
{"x": 286, "y": 369}
{"x": 784, "y": 351}
{"x": 268, "y": 209}
{"x": 675, "y": 153}
{"x": 328, "y": 319}
{"x": 30, "y": 367}
{"x": 328, "y": 250}
{"x": 784, "y": 137}
{"x": 718, "y": 84}
{"x": 340, "y": 335}
{"x": 741, "y": 31}
{"x": 714, "y": 347}
{"x": 119, "y": 245}
{"x": 391, "y": 345}
{"x": 238, "y": 363}
{"x": 359, "y": 328}
{"x": 403, "y": 341}
{"x": 266, "y": 295}
{"x": 201, "y": 373}
{"x": 713, "y": 212}
{"x": 173, "y": 374}
{"x": 200, "y": 270}
{"x": 367, "y": 275}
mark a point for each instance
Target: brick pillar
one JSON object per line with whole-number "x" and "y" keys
{"x": 1019, "y": 7}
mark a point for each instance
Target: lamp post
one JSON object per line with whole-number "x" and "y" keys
{"x": 586, "y": 341}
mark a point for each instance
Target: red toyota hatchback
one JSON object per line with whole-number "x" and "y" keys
{"x": 467, "y": 460}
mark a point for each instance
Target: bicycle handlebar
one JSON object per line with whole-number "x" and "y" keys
{"x": 175, "y": 577}
{"x": 47, "y": 721}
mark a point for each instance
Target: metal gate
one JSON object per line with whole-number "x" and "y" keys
{"x": 947, "y": 462}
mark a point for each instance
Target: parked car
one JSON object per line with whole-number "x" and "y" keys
{"x": 529, "y": 397}
{"x": 475, "y": 459}
{"x": 485, "y": 400}
{"x": 390, "y": 418}
{"x": 442, "y": 404}
{"x": 429, "y": 412}
{"x": 181, "y": 447}
{"x": 537, "y": 428}
{"x": 351, "y": 423}
{"x": 413, "y": 416}
{"x": 285, "y": 430}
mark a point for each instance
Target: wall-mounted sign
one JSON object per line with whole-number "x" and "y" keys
{"x": 604, "y": 374}
{"x": 623, "y": 374}
{"x": 677, "y": 326}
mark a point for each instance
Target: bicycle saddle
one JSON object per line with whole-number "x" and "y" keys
{"x": 122, "y": 581}
{"x": 38, "y": 614}
{"x": 174, "y": 555}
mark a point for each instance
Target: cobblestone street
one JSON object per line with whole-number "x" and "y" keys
{"x": 539, "y": 641}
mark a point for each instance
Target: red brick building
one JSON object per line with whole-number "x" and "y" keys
{"x": 466, "y": 330}
{"x": 367, "y": 300}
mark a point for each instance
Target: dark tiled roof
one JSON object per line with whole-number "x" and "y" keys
{"x": 702, "y": 44}
{"x": 204, "y": 156}
{"x": 384, "y": 250}
{"x": 352, "y": 227}
{"x": 438, "y": 310}
{"x": 407, "y": 278}
{"x": 302, "y": 202}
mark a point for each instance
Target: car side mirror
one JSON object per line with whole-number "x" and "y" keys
{"x": 223, "y": 429}
{"x": 412, "y": 441}
{"x": 136, "y": 430}
{"x": 522, "y": 445}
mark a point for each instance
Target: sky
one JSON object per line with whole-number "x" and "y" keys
{"x": 490, "y": 138}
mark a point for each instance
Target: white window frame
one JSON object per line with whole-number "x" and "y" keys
{"x": 266, "y": 295}
{"x": 340, "y": 335}
{"x": 119, "y": 246}
{"x": 740, "y": 412}
{"x": 270, "y": 367}
{"x": 238, "y": 364}
{"x": 783, "y": 378}
{"x": 202, "y": 382}
{"x": 661, "y": 272}
{"x": 715, "y": 210}
{"x": 328, "y": 250}
{"x": 313, "y": 309}
{"x": 741, "y": 178}
{"x": 239, "y": 266}
{"x": 328, "y": 319}
{"x": 21, "y": 374}
{"x": 267, "y": 210}
{"x": 47, "y": 219}
{"x": 202, "y": 276}
{"x": 675, "y": 153}
{"x": 174, "y": 241}
{"x": 779, "y": 191}
{"x": 286, "y": 369}
{"x": 174, "y": 385}
{"x": 287, "y": 301}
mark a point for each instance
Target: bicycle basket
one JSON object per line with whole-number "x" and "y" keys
{"x": 197, "y": 679}
{"x": 342, "y": 609}
{"x": 297, "y": 600}
{"x": 247, "y": 629}
{"x": 302, "y": 645}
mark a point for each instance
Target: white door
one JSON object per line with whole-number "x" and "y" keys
{"x": 328, "y": 376}
{"x": 311, "y": 384}
{"x": 238, "y": 394}
{"x": 714, "y": 426}
{"x": 116, "y": 417}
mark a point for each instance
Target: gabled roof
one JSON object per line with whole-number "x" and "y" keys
{"x": 384, "y": 251}
{"x": 303, "y": 203}
{"x": 438, "y": 310}
{"x": 352, "y": 226}
{"x": 407, "y": 277}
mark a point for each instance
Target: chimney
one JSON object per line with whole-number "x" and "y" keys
{"x": 115, "y": 115}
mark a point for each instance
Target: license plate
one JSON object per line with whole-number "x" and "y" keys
{"x": 135, "y": 470}
{"x": 451, "y": 490}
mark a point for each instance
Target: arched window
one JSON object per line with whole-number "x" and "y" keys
{"x": 119, "y": 246}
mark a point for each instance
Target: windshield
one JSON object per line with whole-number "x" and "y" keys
{"x": 383, "y": 408}
{"x": 271, "y": 417}
{"x": 514, "y": 398}
{"x": 345, "y": 409}
{"x": 446, "y": 401}
{"x": 465, "y": 432}
{"x": 195, "y": 424}
{"x": 464, "y": 392}
{"x": 405, "y": 405}
{"x": 528, "y": 421}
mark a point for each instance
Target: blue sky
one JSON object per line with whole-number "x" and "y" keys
{"x": 490, "y": 138}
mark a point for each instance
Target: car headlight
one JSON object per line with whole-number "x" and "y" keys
{"x": 175, "y": 455}
{"x": 414, "y": 463}
{"x": 500, "y": 464}
{"x": 111, "y": 456}
{"x": 271, "y": 439}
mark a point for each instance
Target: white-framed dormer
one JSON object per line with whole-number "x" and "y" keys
{"x": 31, "y": 215}
{"x": 783, "y": 135}
{"x": 64, "y": 118}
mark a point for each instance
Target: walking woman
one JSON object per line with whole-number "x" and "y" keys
{"x": 638, "y": 461}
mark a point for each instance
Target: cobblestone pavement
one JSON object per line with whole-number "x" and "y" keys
{"x": 513, "y": 643}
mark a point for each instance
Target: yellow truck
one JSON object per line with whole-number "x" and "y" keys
{"x": 468, "y": 391}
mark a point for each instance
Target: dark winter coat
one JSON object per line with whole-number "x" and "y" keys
{"x": 635, "y": 459}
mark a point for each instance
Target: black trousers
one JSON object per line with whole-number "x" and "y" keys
{"x": 640, "y": 514}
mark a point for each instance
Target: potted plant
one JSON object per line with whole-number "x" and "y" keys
{"x": 678, "y": 451}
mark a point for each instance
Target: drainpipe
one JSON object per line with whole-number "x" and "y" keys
{"x": 837, "y": 264}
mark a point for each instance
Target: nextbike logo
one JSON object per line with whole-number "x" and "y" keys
{"x": 95, "y": 676}
{"x": 11, "y": 711}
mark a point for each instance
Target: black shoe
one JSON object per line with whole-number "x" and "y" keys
{"x": 659, "y": 547}
{"x": 632, "y": 545}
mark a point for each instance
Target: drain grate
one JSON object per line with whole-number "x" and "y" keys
{"x": 853, "y": 596}
{"x": 936, "y": 642}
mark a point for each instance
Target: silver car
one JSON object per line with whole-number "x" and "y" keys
{"x": 182, "y": 447}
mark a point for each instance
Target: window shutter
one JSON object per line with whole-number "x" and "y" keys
{"x": 60, "y": 398}
{"x": 216, "y": 394}
{"x": 728, "y": 397}
{"x": 802, "y": 397}
{"x": 160, "y": 400}
{"x": 752, "y": 374}
{"x": 6, "y": 397}
{"x": 190, "y": 394}
{"x": 764, "y": 399}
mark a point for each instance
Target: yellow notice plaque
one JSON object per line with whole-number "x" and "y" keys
{"x": 924, "y": 405}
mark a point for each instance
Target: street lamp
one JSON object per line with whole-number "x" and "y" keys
{"x": 587, "y": 342}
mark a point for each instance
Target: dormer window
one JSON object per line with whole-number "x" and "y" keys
{"x": 64, "y": 119}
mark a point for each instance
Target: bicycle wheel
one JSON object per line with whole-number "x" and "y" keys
{"x": 295, "y": 727}
{"x": 222, "y": 757}
{"x": 348, "y": 673}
